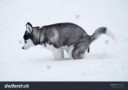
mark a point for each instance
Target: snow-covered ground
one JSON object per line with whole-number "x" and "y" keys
{"x": 107, "y": 60}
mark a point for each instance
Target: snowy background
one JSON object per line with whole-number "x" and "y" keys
{"x": 107, "y": 60}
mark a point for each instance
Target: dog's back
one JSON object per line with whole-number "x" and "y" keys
{"x": 64, "y": 33}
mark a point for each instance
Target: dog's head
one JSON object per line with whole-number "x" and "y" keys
{"x": 28, "y": 38}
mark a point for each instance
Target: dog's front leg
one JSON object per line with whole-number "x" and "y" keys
{"x": 58, "y": 54}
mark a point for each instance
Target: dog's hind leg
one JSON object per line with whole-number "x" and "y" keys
{"x": 78, "y": 52}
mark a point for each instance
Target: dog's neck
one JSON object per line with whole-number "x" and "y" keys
{"x": 38, "y": 35}
{"x": 42, "y": 39}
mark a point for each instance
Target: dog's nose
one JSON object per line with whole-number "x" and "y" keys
{"x": 22, "y": 47}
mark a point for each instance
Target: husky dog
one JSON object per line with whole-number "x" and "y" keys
{"x": 62, "y": 36}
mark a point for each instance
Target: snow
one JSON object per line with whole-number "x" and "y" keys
{"x": 107, "y": 60}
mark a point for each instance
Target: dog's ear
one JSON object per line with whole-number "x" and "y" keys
{"x": 29, "y": 27}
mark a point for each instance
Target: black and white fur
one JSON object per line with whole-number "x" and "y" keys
{"x": 62, "y": 36}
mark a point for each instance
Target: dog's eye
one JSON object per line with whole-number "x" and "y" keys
{"x": 25, "y": 41}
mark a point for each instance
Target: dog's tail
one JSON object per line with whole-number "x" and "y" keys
{"x": 100, "y": 31}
